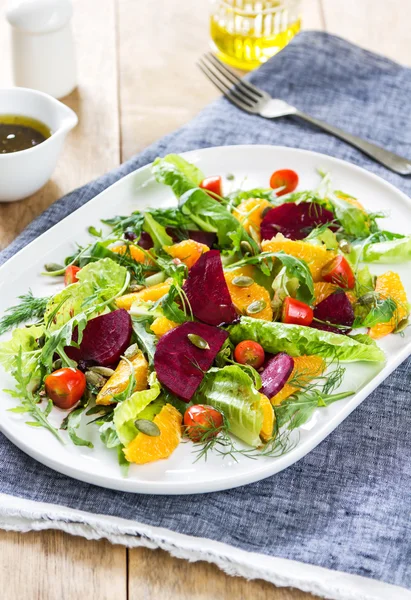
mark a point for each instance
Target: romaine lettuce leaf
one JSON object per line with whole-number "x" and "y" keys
{"x": 179, "y": 174}
{"x": 297, "y": 340}
{"x": 397, "y": 250}
{"x": 127, "y": 412}
{"x": 98, "y": 283}
{"x": 232, "y": 391}
{"x": 22, "y": 340}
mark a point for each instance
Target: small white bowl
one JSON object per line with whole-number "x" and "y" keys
{"x": 24, "y": 173}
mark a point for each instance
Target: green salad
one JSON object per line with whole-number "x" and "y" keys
{"x": 224, "y": 322}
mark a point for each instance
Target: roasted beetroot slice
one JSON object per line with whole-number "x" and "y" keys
{"x": 179, "y": 364}
{"x": 294, "y": 221}
{"x": 207, "y": 291}
{"x": 145, "y": 241}
{"x": 334, "y": 310}
{"x": 105, "y": 339}
{"x": 276, "y": 372}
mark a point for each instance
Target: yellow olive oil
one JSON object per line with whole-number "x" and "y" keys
{"x": 247, "y": 34}
{"x": 20, "y": 133}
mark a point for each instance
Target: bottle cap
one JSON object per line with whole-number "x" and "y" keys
{"x": 39, "y": 16}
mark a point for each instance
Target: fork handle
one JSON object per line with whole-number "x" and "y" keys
{"x": 392, "y": 161}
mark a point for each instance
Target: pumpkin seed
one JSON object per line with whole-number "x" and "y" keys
{"x": 198, "y": 341}
{"x": 57, "y": 364}
{"x": 243, "y": 281}
{"x": 131, "y": 351}
{"x": 135, "y": 287}
{"x": 50, "y": 267}
{"x": 367, "y": 299}
{"x": 246, "y": 247}
{"x": 266, "y": 210}
{"x": 230, "y": 177}
{"x": 345, "y": 246}
{"x": 95, "y": 379}
{"x": 104, "y": 371}
{"x": 256, "y": 307}
{"x": 147, "y": 427}
{"x": 403, "y": 324}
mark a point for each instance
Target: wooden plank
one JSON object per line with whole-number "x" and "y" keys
{"x": 93, "y": 147}
{"x": 52, "y": 564}
{"x": 377, "y": 25}
{"x": 154, "y": 575}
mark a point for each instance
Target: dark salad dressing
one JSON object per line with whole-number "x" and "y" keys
{"x": 20, "y": 133}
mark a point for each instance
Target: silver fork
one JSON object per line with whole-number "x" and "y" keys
{"x": 253, "y": 100}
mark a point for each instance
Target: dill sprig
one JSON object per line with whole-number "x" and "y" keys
{"x": 28, "y": 309}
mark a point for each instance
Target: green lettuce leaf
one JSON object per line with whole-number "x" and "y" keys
{"x": 23, "y": 345}
{"x": 397, "y": 250}
{"x": 127, "y": 412}
{"x": 178, "y": 173}
{"x": 99, "y": 282}
{"x": 297, "y": 340}
{"x": 232, "y": 391}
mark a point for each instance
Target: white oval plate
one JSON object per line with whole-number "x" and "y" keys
{"x": 252, "y": 167}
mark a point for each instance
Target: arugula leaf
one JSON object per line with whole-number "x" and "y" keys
{"x": 29, "y": 402}
{"x": 108, "y": 435}
{"x": 378, "y": 310}
{"x": 120, "y": 225}
{"x": 72, "y": 422}
{"x": 179, "y": 174}
{"x": 146, "y": 341}
{"x": 172, "y": 217}
{"x": 57, "y": 339}
{"x": 158, "y": 232}
{"x": 232, "y": 391}
{"x": 297, "y": 340}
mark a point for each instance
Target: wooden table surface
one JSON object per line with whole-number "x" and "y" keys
{"x": 137, "y": 82}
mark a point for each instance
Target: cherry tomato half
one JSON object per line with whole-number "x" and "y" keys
{"x": 339, "y": 272}
{"x": 202, "y": 422}
{"x": 213, "y": 184}
{"x": 65, "y": 387}
{"x": 250, "y": 353}
{"x": 296, "y": 312}
{"x": 70, "y": 276}
{"x": 284, "y": 178}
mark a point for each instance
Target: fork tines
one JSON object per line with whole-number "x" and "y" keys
{"x": 241, "y": 93}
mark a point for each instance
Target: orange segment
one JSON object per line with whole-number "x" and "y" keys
{"x": 136, "y": 253}
{"x": 145, "y": 448}
{"x": 266, "y": 432}
{"x": 161, "y": 325}
{"x": 119, "y": 381}
{"x": 389, "y": 285}
{"x": 322, "y": 290}
{"x": 243, "y": 297}
{"x": 188, "y": 251}
{"x": 250, "y": 213}
{"x": 315, "y": 256}
{"x": 150, "y": 294}
{"x": 306, "y": 368}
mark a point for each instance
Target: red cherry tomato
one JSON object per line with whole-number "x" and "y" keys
{"x": 70, "y": 276}
{"x": 250, "y": 353}
{"x": 65, "y": 387}
{"x": 339, "y": 272}
{"x": 202, "y": 422}
{"x": 213, "y": 184}
{"x": 284, "y": 178}
{"x": 296, "y": 312}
